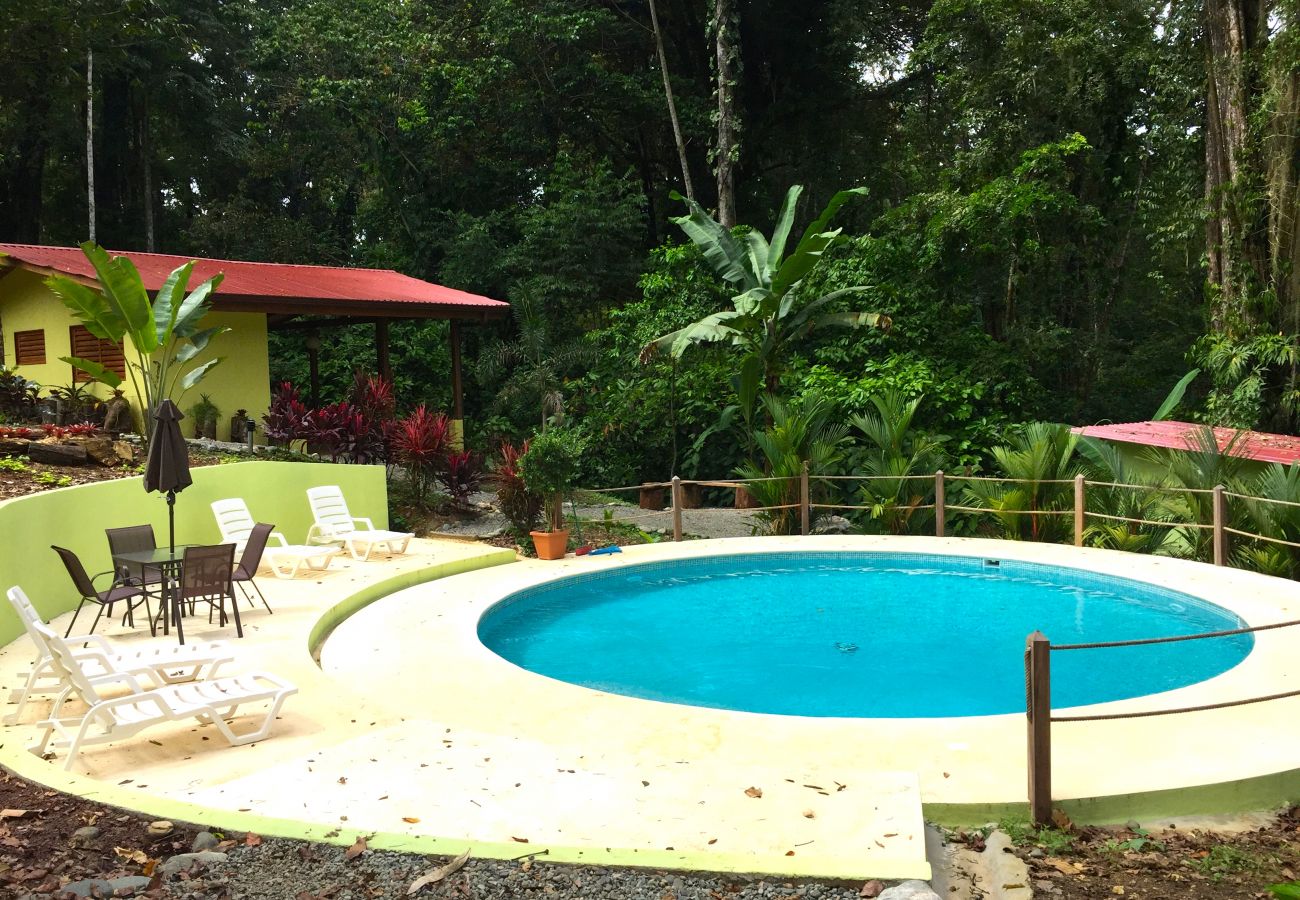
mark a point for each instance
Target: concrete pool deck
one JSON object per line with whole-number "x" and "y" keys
{"x": 412, "y": 730}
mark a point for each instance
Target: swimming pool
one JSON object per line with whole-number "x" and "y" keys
{"x": 855, "y": 634}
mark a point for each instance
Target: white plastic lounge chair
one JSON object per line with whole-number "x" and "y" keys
{"x": 161, "y": 665}
{"x": 236, "y": 523}
{"x": 114, "y": 718}
{"x": 334, "y": 523}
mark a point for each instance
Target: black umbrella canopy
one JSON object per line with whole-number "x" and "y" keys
{"x": 168, "y": 468}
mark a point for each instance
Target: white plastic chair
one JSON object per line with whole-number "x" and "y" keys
{"x": 236, "y": 522}
{"x": 114, "y": 718}
{"x": 160, "y": 665}
{"x": 334, "y": 523}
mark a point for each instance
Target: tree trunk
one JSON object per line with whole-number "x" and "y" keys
{"x": 146, "y": 169}
{"x": 90, "y": 141}
{"x": 672, "y": 104}
{"x": 727, "y": 69}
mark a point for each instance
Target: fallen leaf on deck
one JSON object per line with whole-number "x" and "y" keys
{"x": 356, "y": 849}
{"x": 519, "y": 839}
{"x": 1062, "y": 866}
{"x": 809, "y": 814}
{"x": 871, "y": 889}
{"x": 753, "y": 792}
{"x": 12, "y": 813}
{"x": 252, "y": 840}
{"x": 435, "y": 875}
{"x": 411, "y": 819}
{"x": 135, "y": 856}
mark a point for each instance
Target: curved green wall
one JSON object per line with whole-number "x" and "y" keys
{"x": 76, "y": 517}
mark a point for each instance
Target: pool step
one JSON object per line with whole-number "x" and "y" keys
{"x": 698, "y": 813}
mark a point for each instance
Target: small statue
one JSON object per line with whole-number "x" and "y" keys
{"x": 117, "y": 414}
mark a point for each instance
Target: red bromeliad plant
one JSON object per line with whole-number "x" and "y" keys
{"x": 420, "y": 442}
{"x": 519, "y": 505}
{"x": 287, "y": 419}
{"x": 462, "y": 475}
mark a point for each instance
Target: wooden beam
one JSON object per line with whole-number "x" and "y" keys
{"x": 457, "y": 400}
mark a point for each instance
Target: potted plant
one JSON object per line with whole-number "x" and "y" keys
{"x": 205, "y": 414}
{"x": 549, "y": 468}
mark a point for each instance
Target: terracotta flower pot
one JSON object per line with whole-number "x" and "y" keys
{"x": 550, "y": 544}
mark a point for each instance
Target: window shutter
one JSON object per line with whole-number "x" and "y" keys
{"x": 86, "y": 346}
{"x": 29, "y": 347}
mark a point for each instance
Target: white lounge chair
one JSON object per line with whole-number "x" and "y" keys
{"x": 160, "y": 665}
{"x": 114, "y": 718}
{"x": 334, "y": 523}
{"x": 284, "y": 559}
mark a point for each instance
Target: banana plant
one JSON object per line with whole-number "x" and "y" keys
{"x": 768, "y": 311}
{"x": 163, "y": 334}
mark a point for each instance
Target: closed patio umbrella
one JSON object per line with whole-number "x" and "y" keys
{"x": 168, "y": 467}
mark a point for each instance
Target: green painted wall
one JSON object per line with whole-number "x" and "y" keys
{"x": 76, "y": 517}
{"x": 241, "y": 381}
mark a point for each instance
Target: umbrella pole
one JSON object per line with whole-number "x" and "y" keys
{"x": 171, "y": 520}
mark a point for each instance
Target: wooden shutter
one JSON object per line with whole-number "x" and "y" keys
{"x": 86, "y": 346}
{"x": 29, "y": 347}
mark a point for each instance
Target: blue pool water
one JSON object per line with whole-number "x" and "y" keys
{"x": 855, "y": 634}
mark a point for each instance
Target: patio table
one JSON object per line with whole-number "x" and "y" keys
{"x": 168, "y": 562}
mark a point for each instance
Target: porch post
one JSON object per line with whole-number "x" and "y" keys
{"x": 457, "y": 400}
{"x": 381, "y": 350}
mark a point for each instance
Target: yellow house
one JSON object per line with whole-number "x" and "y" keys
{"x": 36, "y": 330}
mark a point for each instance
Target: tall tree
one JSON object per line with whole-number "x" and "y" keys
{"x": 726, "y": 151}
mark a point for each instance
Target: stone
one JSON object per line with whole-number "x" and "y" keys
{"x": 832, "y": 525}
{"x": 184, "y": 862}
{"x": 84, "y": 887}
{"x": 101, "y": 450}
{"x": 130, "y": 885}
{"x": 84, "y": 837}
{"x": 909, "y": 890}
{"x": 125, "y": 451}
{"x": 161, "y": 828}
{"x": 204, "y": 840}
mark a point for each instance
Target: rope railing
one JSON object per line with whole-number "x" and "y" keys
{"x": 1156, "y": 522}
{"x": 1250, "y": 499}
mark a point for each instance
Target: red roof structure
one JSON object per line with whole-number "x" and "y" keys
{"x": 1256, "y": 445}
{"x": 276, "y": 288}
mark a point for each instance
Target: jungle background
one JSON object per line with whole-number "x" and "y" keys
{"x": 1070, "y": 203}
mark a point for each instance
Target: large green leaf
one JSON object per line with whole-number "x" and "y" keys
{"x": 195, "y": 375}
{"x": 94, "y": 370}
{"x": 716, "y": 243}
{"x": 1175, "y": 396}
{"x": 711, "y": 328}
{"x": 198, "y": 342}
{"x": 812, "y": 307}
{"x": 125, "y": 293}
{"x": 784, "y": 222}
{"x": 166, "y": 304}
{"x": 801, "y": 261}
{"x": 194, "y": 307}
{"x": 90, "y": 308}
{"x": 756, "y": 246}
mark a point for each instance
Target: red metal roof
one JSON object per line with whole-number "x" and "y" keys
{"x": 273, "y": 287}
{"x": 1256, "y": 445}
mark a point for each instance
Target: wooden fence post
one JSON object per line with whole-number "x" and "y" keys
{"x": 677, "y": 508}
{"x": 1220, "y": 536}
{"x": 805, "y": 508}
{"x": 1079, "y": 510}
{"x": 1038, "y": 709}
{"x": 938, "y": 504}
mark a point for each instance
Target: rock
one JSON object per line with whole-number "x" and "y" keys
{"x": 872, "y": 888}
{"x": 161, "y": 828}
{"x": 57, "y": 454}
{"x": 204, "y": 840}
{"x": 909, "y": 890}
{"x": 100, "y": 449}
{"x": 125, "y": 451}
{"x": 1005, "y": 868}
{"x": 83, "y": 888}
{"x": 84, "y": 837}
{"x": 129, "y": 885}
{"x": 833, "y": 525}
{"x": 184, "y": 862}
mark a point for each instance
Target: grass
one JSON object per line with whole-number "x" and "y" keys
{"x": 1224, "y": 859}
{"x": 1052, "y": 840}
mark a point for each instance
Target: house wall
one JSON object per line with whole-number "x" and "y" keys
{"x": 241, "y": 381}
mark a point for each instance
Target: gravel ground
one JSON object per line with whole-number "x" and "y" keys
{"x": 711, "y": 522}
{"x": 290, "y": 870}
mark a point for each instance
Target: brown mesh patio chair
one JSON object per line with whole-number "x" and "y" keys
{"x": 133, "y": 539}
{"x": 206, "y": 574}
{"x": 118, "y": 591}
{"x": 250, "y": 560}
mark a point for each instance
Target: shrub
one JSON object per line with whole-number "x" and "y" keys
{"x": 550, "y": 467}
{"x": 286, "y": 418}
{"x": 520, "y": 506}
{"x": 420, "y": 442}
{"x": 461, "y": 475}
